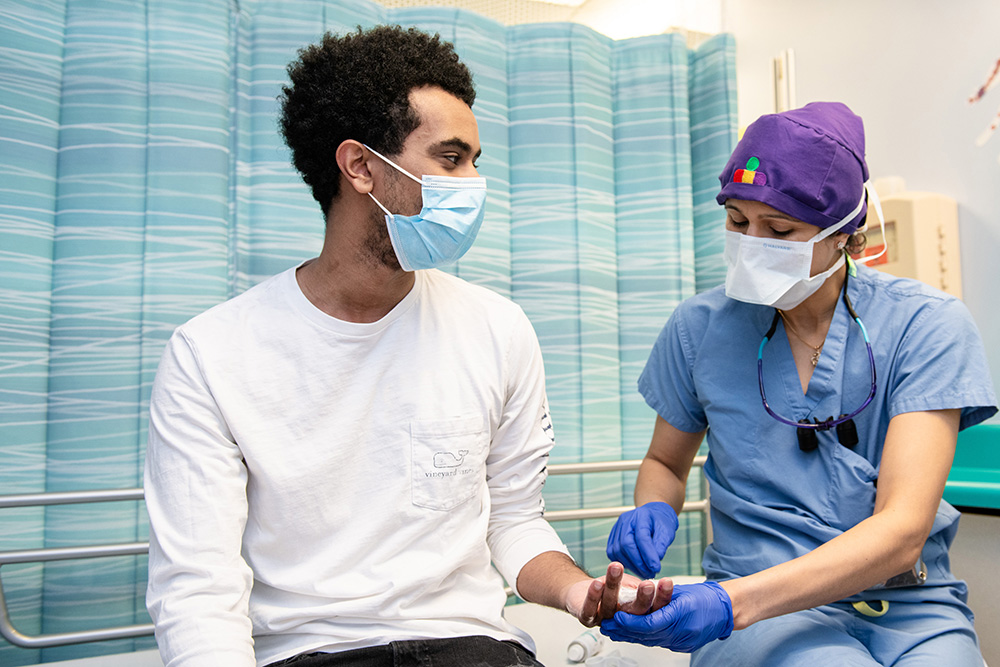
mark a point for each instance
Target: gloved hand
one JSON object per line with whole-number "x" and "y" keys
{"x": 696, "y": 615}
{"x": 641, "y": 537}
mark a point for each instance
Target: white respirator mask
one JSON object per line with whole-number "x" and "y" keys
{"x": 776, "y": 272}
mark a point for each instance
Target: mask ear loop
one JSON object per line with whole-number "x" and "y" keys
{"x": 384, "y": 209}
{"x": 393, "y": 164}
{"x": 873, "y": 200}
{"x": 398, "y": 168}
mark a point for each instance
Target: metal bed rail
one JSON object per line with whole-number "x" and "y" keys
{"x": 611, "y": 512}
{"x": 18, "y": 638}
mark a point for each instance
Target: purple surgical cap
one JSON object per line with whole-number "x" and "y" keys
{"x": 808, "y": 163}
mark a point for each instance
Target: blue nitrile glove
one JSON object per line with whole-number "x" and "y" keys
{"x": 641, "y": 537}
{"x": 696, "y": 615}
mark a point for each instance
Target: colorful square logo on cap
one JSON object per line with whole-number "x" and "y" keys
{"x": 750, "y": 174}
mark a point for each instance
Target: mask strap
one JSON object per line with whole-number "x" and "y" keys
{"x": 390, "y": 162}
{"x": 384, "y": 209}
{"x": 834, "y": 228}
{"x": 874, "y": 200}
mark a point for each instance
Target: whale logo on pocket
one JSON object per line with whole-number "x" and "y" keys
{"x": 449, "y": 459}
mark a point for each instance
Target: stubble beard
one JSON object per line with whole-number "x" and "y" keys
{"x": 377, "y": 249}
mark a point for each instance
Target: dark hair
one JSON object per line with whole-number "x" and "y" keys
{"x": 856, "y": 243}
{"x": 357, "y": 86}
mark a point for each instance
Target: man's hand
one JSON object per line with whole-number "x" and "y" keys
{"x": 598, "y": 599}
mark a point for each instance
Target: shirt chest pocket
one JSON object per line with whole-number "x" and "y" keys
{"x": 447, "y": 461}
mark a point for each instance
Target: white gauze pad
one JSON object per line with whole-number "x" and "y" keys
{"x": 627, "y": 594}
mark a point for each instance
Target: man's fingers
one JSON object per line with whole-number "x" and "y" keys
{"x": 643, "y": 599}
{"x": 591, "y": 604}
{"x": 664, "y": 592}
{"x": 612, "y": 584}
{"x": 614, "y": 574}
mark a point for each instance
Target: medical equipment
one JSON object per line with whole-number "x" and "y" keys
{"x": 847, "y": 432}
{"x": 921, "y": 232}
{"x": 584, "y": 646}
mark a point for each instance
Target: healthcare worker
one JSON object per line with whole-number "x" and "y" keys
{"x": 831, "y": 396}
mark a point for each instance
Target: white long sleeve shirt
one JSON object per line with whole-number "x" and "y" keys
{"x": 320, "y": 485}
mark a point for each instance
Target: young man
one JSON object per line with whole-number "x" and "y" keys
{"x": 337, "y": 455}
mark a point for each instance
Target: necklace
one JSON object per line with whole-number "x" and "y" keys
{"x": 817, "y": 349}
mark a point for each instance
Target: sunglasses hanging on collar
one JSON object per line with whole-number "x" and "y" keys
{"x": 847, "y": 431}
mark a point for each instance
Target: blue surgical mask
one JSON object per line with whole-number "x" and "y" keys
{"x": 445, "y": 228}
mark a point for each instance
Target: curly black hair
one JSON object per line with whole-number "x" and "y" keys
{"x": 357, "y": 86}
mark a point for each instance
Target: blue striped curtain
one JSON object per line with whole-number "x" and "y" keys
{"x": 563, "y": 245}
{"x": 142, "y": 180}
{"x": 712, "y": 103}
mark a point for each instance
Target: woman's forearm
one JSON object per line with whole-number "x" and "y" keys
{"x": 664, "y": 470}
{"x": 868, "y": 554}
{"x": 658, "y": 483}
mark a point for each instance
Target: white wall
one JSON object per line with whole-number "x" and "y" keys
{"x": 907, "y": 67}
{"x": 633, "y": 18}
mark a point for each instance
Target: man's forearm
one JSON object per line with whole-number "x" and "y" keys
{"x": 547, "y": 577}
{"x": 554, "y": 580}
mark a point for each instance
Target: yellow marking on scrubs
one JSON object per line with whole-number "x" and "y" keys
{"x": 866, "y": 609}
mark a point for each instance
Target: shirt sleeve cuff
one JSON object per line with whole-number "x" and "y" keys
{"x": 512, "y": 552}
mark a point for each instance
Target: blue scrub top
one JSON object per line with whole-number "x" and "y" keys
{"x": 772, "y": 502}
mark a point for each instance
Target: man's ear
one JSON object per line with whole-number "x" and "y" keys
{"x": 352, "y": 159}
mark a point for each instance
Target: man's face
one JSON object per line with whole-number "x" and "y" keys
{"x": 446, "y": 143}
